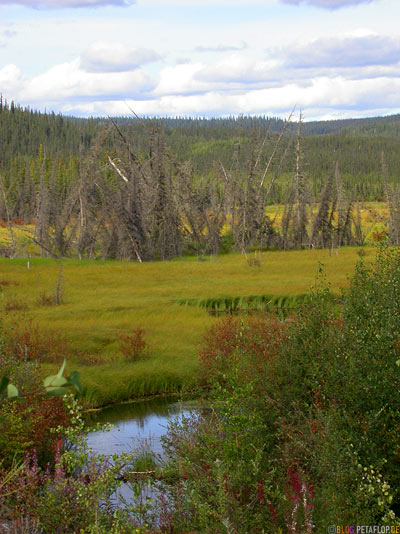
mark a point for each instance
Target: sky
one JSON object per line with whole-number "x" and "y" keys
{"x": 202, "y": 58}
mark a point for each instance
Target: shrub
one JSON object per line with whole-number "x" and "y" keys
{"x": 221, "y": 464}
{"x": 26, "y": 342}
{"x": 133, "y": 346}
{"x": 24, "y": 374}
{"x": 74, "y": 494}
{"x": 15, "y": 304}
{"x": 226, "y": 461}
{"x": 250, "y": 343}
{"x": 25, "y": 525}
{"x": 301, "y": 432}
{"x": 45, "y": 300}
{"x": 305, "y": 416}
{"x": 339, "y": 392}
{"x": 91, "y": 359}
{"x": 26, "y": 426}
{"x": 5, "y": 283}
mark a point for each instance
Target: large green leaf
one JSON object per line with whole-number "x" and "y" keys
{"x": 12, "y": 391}
{"x": 55, "y": 381}
{"x": 62, "y": 368}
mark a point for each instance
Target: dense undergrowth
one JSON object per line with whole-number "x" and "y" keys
{"x": 305, "y": 420}
{"x": 301, "y": 431}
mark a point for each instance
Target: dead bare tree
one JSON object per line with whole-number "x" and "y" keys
{"x": 321, "y": 233}
{"x": 300, "y": 228}
{"x": 344, "y": 234}
{"x": 9, "y": 225}
{"x": 43, "y": 214}
{"x": 393, "y": 201}
{"x": 247, "y": 197}
{"x": 162, "y": 209}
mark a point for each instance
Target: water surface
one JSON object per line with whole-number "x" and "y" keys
{"x": 136, "y": 424}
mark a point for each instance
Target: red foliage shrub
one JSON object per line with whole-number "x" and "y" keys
{"x": 5, "y": 283}
{"x": 26, "y": 342}
{"x": 14, "y": 304}
{"x": 90, "y": 359}
{"x": 45, "y": 300}
{"x": 379, "y": 236}
{"x": 27, "y": 424}
{"x": 133, "y": 345}
{"x": 251, "y": 343}
{"x": 48, "y": 413}
{"x": 18, "y": 221}
{"x": 14, "y": 222}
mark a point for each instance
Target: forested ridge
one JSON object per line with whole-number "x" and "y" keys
{"x": 355, "y": 143}
{"x": 145, "y": 188}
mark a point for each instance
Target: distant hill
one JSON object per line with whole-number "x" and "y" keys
{"x": 373, "y": 126}
{"x": 356, "y": 144}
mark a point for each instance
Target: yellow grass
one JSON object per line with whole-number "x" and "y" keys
{"x": 18, "y": 237}
{"x": 102, "y": 299}
{"x": 374, "y": 217}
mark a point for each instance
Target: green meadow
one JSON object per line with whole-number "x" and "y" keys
{"x": 102, "y": 299}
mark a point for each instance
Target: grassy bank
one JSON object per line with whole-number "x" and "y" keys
{"x": 103, "y": 299}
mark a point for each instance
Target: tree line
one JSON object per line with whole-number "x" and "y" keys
{"x": 145, "y": 190}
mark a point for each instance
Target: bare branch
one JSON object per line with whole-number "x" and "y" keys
{"x": 117, "y": 169}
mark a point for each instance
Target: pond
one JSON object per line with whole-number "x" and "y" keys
{"x": 136, "y": 424}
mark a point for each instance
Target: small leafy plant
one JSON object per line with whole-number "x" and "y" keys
{"x": 133, "y": 346}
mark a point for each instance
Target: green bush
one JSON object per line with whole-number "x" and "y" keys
{"x": 313, "y": 434}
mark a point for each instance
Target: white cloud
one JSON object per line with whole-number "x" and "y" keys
{"x": 115, "y": 57}
{"x": 334, "y": 97}
{"x": 70, "y": 90}
{"x": 8, "y": 33}
{"x": 328, "y": 4}
{"x": 180, "y": 79}
{"x": 336, "y": 63}
{"x": 238, "y": 68}
{"x": 353, "y": 51}
{"x": 60, "y": 4}
{"x": 11, "y": 80}
{"x": 234, "y": 73}
{"x": 67, "y": 82}
{"x": 221, "y": 48}
{"x": 204, "y": 3}
{"x": 5, "y": 35}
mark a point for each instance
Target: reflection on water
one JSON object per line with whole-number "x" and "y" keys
{"x": 134, "y": 424}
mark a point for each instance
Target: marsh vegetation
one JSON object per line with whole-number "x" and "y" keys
{"x": 250, "y": 262}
